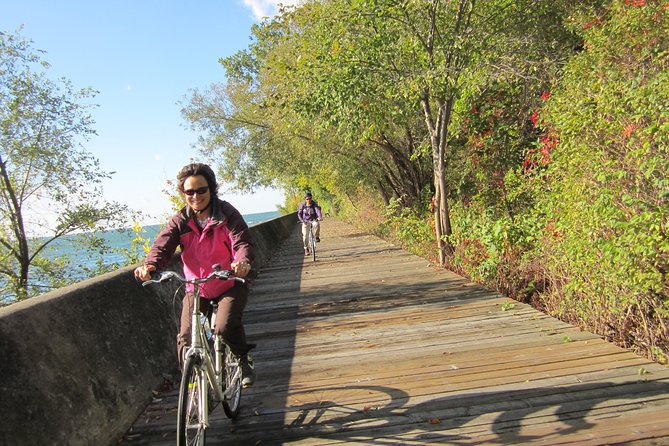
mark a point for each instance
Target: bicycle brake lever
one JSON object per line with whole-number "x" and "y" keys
{"x": 221, "y": 274}
{"x": 165, "y": 275}
{"x": 154, "y": 275}
{"x": 157, "y": 277}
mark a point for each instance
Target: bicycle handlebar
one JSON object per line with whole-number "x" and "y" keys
{"x": 225, "y": 274}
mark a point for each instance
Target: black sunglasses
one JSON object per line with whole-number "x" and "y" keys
{"x": 200, "y": 191}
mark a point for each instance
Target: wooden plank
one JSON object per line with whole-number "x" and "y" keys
{"x": 370, "y": 345}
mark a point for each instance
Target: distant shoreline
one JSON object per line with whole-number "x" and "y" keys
{"x": 121, "y": 239}
{"x": 118, "y": 241}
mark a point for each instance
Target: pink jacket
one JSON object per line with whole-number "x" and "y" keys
{"x": 225, "y": 239}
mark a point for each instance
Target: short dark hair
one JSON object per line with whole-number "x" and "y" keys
{"x": 307, "y": 195}
{"x": 195, "y": 169}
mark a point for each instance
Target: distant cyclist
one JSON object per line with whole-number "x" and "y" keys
{"x": 309, "y": 211}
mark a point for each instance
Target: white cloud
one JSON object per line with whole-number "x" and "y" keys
{"x": 266, "y": 8}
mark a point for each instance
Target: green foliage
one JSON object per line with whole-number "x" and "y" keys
{"x": 286, "y": 115}
{"x": 605, "y": 188}
{"x": 408, "y": 228}
{"x": 580, "y": 228}
{"x": 506, "y": 306}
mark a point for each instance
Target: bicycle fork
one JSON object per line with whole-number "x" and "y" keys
{"x": 207, "y": 376}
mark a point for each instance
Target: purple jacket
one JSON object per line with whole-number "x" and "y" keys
{"x": 225, "y": 239}
{"x": 309, "y": 212}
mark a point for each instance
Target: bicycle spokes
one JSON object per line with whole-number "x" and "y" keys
{"x": 191, "y": 418}
{"x": 233, "y": 384}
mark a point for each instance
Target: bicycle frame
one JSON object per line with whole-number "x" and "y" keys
{"x": 312, "y": 239}
{"x": 213, "y": 367}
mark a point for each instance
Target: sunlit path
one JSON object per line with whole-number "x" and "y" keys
{"x": 370, "y": 346}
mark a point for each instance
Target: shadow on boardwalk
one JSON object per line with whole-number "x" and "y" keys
{"x": 566, "y": 409}
{"x": 370, "y": 345}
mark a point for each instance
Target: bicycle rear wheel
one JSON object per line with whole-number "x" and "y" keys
{"x": 190, "y": 416}
{"x": 233, "y": 384}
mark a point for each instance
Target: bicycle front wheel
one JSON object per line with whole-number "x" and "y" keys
{"x": 190, "y": 416}
{"x": 233, "y": 384}
{"x": 312, "y": 241}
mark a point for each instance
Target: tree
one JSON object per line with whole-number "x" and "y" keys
{"x": 268, "y": 122}
{"x": 387, "y": 81}
{"x": 374, "y": 67}
{"x": 49, "y": 185}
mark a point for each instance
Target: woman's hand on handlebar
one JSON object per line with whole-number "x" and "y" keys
{"x": 241, "y": 268}
{"x": 143, "y": 272}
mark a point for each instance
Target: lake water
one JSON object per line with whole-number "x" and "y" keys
{"x": 83, "y": 261}
{"x": 119, "y": 240}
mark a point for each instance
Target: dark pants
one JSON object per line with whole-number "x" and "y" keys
{"x": 228, "y": 319}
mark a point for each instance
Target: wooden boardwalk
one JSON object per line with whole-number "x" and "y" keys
{"x": 370, "y": 346}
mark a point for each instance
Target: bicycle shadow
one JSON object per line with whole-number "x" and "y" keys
{"x": 502, "y": 416}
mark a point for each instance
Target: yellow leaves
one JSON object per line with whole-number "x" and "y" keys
{"x": 334, "y": 49}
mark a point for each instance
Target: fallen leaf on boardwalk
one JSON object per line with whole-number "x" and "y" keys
{"x": 435, "y": 421}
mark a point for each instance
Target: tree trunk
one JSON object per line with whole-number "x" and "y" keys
{"x": 445, "y": 110}
{"x": 437, "y": 170}
{"x": 21, "y": 254}
{"x": 384, "y": 194}
{"x": 438, "y": 128}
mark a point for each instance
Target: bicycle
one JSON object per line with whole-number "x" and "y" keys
{"x": 312, "y": 239}
{"x": 208, "y": 377}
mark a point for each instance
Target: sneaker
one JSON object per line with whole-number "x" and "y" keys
{"x": 318, "y": 239}
{"x": 248, "y": 370}
{"x": 306, "y": 251}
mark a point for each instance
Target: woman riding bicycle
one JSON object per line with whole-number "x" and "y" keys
{"x": 309, "y": 212}
{"x": 209, "y": 231}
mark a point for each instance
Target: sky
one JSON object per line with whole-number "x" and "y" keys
{"x": 143, "y": 57}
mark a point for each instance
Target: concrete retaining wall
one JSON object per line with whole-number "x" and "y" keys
{"x": 77, "y": 365}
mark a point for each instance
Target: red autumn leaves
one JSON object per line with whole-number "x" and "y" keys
{"x": 547, "y": 142}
